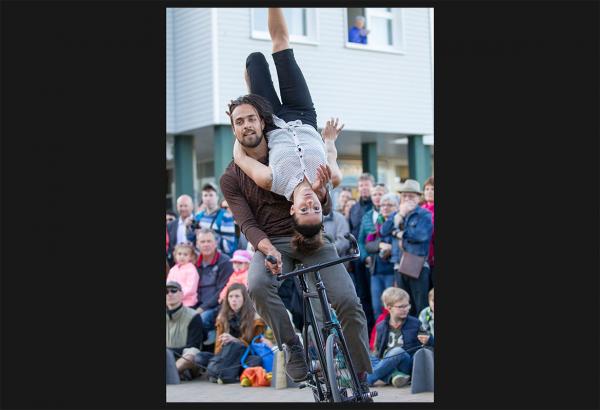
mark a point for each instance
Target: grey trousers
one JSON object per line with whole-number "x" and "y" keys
{"x": 263, "y": 286}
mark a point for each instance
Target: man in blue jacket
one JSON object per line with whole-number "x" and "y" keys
{"x": 395, "y": 340}
{"x": 411, "y": 228}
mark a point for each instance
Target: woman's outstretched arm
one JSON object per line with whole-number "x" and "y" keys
{"x": 330, "y": 133}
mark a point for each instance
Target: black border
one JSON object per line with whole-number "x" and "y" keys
{"x": 83, "y": 97}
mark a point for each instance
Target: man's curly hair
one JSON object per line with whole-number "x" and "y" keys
{"x": 262, "y": 106}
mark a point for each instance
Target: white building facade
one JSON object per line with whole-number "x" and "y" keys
{"x": 382, "y": 90}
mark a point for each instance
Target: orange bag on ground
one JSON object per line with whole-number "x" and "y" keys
{"x": 255, "y": 376}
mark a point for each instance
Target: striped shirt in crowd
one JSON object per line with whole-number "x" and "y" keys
{"x": 223, "y": 227}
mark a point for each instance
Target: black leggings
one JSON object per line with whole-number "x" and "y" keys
{"x": 296, "y": 102}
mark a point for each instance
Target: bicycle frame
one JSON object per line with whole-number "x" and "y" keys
{"x": 329, "y": 324}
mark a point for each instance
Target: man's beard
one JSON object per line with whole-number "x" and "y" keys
{"x": 251, "y": 141}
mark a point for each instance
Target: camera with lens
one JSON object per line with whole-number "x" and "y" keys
{"x": 195, "y": 225}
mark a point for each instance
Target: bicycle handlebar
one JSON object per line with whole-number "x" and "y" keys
{"x": 355, "y": 254}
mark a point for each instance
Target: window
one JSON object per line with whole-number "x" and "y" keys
{"x": 302, "y": 24}
{"x": 384, "y": 29}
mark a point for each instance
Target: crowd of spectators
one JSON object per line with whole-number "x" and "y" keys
{"x": 208, "y": 258}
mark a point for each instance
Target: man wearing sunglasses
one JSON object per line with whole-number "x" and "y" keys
{"x": 184, "y": 331}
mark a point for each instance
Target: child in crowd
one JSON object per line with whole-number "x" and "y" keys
{"x": 395, "y": 341}
{"x": 426, "y": 317}
{"x": 241, "y": 262}
{"x": 185, "y": 272}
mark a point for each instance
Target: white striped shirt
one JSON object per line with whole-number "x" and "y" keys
{"x": 295, "y": 150}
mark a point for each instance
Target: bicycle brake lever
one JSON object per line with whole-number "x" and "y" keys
{"x": 353, "y": 243}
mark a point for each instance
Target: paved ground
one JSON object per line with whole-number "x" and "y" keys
{"x": 201, "y": 390}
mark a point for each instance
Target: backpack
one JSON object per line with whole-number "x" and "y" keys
{"x": 227, "y": 365}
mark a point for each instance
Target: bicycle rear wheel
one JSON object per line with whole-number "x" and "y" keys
{"x": 338, "y": 372}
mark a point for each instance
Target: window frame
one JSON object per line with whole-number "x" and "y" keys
{"x": 312, "y": 28}
{"x": 398, "y": 39}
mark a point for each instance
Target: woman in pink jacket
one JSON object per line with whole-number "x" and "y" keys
{"x": 184, "y": 271}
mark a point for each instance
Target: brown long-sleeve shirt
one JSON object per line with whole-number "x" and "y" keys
{"x": 259, "y": 213}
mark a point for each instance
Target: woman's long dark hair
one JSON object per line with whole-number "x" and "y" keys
{"x": 246, "y": 313}
{"x": 307, "y": 238}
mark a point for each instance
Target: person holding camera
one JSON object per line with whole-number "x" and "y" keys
{"x": 217, "y": 218}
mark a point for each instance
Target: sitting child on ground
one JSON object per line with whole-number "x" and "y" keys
{"x": 185, "y": 273}
{"x": 395, "y": 341}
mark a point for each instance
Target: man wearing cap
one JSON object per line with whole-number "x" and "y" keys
{"x": 184, "y": 330}
{"x": 411, "y": 228}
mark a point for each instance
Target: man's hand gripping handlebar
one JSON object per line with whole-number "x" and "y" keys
{"x": 354, "y": 253}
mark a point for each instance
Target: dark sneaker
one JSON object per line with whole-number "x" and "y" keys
{"x": 185, "y": 376}
{"x": 364, "y": 385}
{"x": 295, "y": 365}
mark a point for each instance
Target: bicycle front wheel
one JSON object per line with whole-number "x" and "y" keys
{"x": 338, "y": 371}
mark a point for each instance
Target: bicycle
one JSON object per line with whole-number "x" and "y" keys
{"x": 331, "y": 376}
